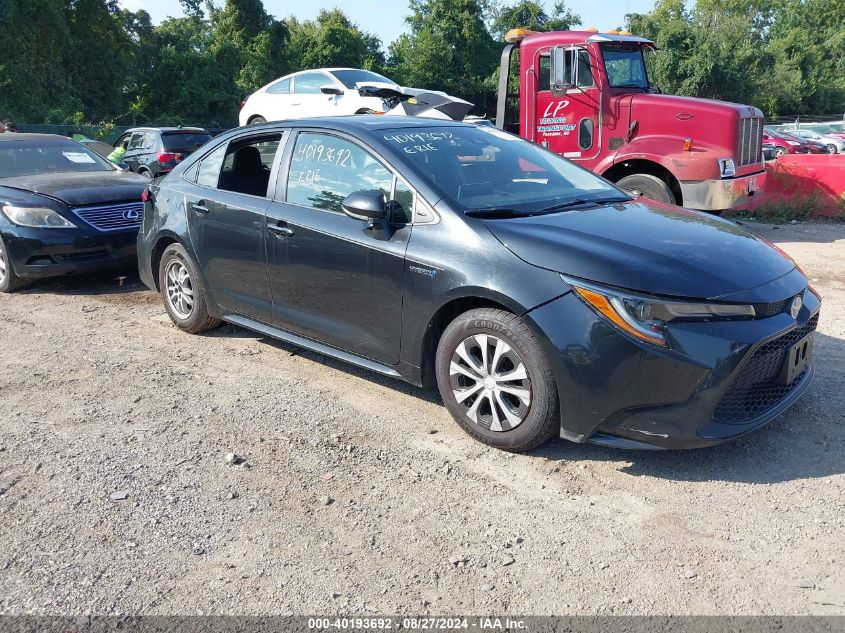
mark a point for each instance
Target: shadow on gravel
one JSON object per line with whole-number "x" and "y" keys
{"x": 106, "y": 282}
{"x": 808, "y": 441}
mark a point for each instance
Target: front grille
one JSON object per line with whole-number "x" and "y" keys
{"x": 763, "y": 310}
{"x": 756, "y": 389}
{"x": 118, "y": 217}
{"x": 750, "y": 145}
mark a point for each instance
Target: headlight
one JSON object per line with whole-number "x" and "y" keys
{"x": 36, "y": 217}
{"x": 644, "y": 317}
{"x": 727, "y": 167}
{"x": 794, "y": 143}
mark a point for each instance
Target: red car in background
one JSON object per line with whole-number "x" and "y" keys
{"x": 785, "y": 144}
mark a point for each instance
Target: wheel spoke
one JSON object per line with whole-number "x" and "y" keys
{"x": 481, "y": 339}
{"x": 460, "y": 396}
{"x": 512, "y": 418}
{"x": 517, "y": 374}
{"x": 495, "y": 424}
{"x": 455, "y": 368}
{"x": 522, "y": 394}
{"x": 501, "y": 349}
{"x": 464, "y": 354}
{"x": 472, "y": 413}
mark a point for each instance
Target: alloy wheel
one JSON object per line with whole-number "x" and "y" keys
{"x": 179, "y": 289}
{"x": 490, "y": 382}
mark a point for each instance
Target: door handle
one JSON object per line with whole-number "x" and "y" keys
{"x": 281, "y": 230}
{"x": 199, "y": 207}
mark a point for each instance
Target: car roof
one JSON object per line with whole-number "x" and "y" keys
{"x": 165, "y": 129}
{"x": 361, "y": 122}
{"x": 34, "y": 137}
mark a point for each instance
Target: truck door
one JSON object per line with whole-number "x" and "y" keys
{"x": 566, "y": 117}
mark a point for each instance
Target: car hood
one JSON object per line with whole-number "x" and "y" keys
{"x": 647, "y": 247}
{"x": 75, "y": 189}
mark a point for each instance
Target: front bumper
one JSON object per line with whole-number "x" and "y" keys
{"x": 39, "y": 253}
{"x": 697, "y": 393}
{"x": 717, "y": 195}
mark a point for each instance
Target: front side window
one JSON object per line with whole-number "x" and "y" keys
{"x": 625, "y": 67}
{"x": 585, "y": 71}
{"x": 310, "y": 83}
{"x": 485, "y": 168}
{"x": 137, "y": 141}
{"x": 325, "y": 169}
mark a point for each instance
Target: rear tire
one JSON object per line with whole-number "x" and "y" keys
{"x": 257, "y": 120}
{"x": 780, "y": 151}
{"x": 647, "y": 186}
{"x": 831, "y": 149}
{"x": 9, "y": 281}
{"x": 496, "y": 382}
{"x": 185, "y": 298}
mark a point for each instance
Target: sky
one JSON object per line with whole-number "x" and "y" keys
{"x": 386, "y": 18}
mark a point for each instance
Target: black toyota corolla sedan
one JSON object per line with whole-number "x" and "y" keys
{"x": 539, "y": 298}
{"x": 63, "y": 209}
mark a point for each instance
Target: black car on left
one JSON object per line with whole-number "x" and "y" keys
{"x": 63, "y": 209}
{"x": 155, "y": 151}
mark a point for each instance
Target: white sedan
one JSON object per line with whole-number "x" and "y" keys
{"x": 343, "y": 91}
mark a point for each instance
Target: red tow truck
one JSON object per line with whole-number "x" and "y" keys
{"x": 586, "y": 95}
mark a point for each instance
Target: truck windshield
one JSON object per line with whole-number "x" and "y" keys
{"x": 483, "y": 168}
{"x": 625, "y": 67}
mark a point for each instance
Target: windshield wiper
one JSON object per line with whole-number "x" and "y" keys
{"x": 582, "y": 201}
{"x": 496, "y": 213}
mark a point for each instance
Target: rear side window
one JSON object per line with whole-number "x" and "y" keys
{"x": 247, "y": 165}
{"x": 280, "y": 87}
{"x": 137, "y": 141}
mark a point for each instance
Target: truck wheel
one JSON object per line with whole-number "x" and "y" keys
{"x": 647, "y": 186}
{"x": 184, "y": 297}
{"x": 495, "y": 380}
{"x": 9, "y": 281}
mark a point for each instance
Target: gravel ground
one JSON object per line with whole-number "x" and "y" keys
{"x": 353, "y": 493}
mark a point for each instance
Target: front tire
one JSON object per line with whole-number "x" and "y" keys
{"x": 257, "y": 120}
{"x": 647, "y": 186}
{"x": 496, "y": 382}
{"x": 185, "y": 298}
{"x": 831, "y": 149}
{"x": 9, "y": 281}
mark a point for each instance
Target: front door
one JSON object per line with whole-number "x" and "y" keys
{"x": 567, "y": 122}
{"x": 226, "y": 217}
{"x": 336, "y": 279}
{"x": 308, "y": 99}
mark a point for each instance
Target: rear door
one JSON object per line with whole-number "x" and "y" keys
{"x": 334, "y": 278}
{"x": 226, "y": 220}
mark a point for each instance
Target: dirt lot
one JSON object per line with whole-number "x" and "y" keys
{"x": 359, "y": 494}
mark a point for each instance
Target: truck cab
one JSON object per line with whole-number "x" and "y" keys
{"x": 586, "y": 95}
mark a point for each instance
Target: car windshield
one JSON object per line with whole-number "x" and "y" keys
{"x": 481, "y": 167}
{"x": 350, "y": 78}
{"x": 625, "y": 66}
{"x": 181, "y": 141}
{"x": 31, "y": 157}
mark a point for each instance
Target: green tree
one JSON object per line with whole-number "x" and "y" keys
{"x": 532, "y": 15}
{"x": 332, "y": 40}
{"x": 448, "y": 48}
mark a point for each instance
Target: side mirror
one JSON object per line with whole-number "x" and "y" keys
{"x": 331, "y": 90}
{"x": 564, "y": 68}
{"x": 365, "y": 205}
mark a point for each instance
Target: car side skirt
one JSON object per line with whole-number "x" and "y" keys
{"x": 314, "y": 346}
